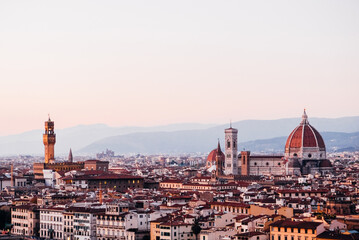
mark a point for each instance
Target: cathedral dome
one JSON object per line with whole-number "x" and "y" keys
{"x": 305, "y": 141}
{"x": 211, "y": 159}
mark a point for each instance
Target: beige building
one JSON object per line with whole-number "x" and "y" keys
{"x": 25, "y": 220}
{"x": 234, "y": 207}
{"x": 284, "y": 211}
{"x": 295, "y": 230}
{"x": 175, "y": 230}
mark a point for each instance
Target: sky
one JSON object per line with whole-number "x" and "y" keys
{"x": 145, "y": 63}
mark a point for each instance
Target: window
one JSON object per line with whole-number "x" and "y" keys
{"x": 228, "y": 144}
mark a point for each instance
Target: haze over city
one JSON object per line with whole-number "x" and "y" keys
{"x": 146, "y": 63}
{"x": 179, "y": 120}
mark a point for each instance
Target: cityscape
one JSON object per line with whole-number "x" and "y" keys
{"x": 179, "y": 120}
{"x": 305, "y": 193}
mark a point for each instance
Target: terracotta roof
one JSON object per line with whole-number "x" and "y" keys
{"x": 296, "y": 224}
{"x": 325, "y": 163}
{"x": 107, "y": 176}
{"x": 232, "y": 204}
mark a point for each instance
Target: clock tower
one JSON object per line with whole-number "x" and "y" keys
{"x": 49, "y": 139}
{"x": 231, "y": 158}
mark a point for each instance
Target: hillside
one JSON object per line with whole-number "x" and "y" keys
{"x": 175, "y": 138}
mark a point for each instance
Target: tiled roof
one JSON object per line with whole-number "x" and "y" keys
{"x": 296, "y": 224}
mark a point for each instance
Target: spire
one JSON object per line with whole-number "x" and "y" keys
{"x": 304, "y": 118}
{"x": 70, "y": 156}
{"x": 218, "y": 147}
{"x": 49, "y": 117}
{"x": 230, "y": 123}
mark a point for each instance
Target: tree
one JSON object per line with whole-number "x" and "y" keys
{"x": 147, "y": 237}
{"x": 5, "y": 218}
{"x": 196, "y": 227}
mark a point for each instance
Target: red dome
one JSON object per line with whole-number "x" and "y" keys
{"x": 304, "y": 136}
{"x": 212, "y": 155}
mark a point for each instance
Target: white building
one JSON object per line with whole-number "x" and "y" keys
{"x": 84, "y": 222}
{"x": 176, "y": 230}
{"x": 68, "y": 225}
{"x": 51, "y": 223}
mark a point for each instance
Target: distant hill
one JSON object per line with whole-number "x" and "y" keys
{"x": 175, "y": 138}
{"x": 205, "y": 141}
{"x": 78, "y": 137}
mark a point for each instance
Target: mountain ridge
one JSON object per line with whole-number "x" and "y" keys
{"x": 81, "y": 136}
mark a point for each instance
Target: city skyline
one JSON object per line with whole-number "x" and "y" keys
{"x": 159, "y": 63}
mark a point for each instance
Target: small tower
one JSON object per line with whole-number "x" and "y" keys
{"x": 49, "y": 139}
{"x": 70, "y": 156}
{"x": 245, "y": 159}
{"x": 12, "y": 175}
{"x": 219, "y": 161}
{"x": 231, "y": 157}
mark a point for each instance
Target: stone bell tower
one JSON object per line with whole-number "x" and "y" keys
{"x": 49, "y": 139}
{"x": 231, "y": 156}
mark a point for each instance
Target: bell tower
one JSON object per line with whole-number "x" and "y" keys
{"x": 49, "y": 139}
{"x": 231, "y": 158}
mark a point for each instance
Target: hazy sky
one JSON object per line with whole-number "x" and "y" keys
{"x": 160, "y": 62}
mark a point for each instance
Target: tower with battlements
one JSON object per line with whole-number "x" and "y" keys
{"x": 49, "y": 139}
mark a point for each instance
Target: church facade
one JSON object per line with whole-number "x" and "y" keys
{"x": 304, "y": 153}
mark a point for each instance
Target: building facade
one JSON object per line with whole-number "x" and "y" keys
{"x": 25, "y": 220}
{"x": 51, "y": 223}
{"x": 295, "y": 230}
